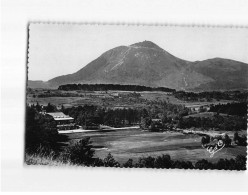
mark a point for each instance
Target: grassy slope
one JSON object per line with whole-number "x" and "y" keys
{"x": 39, "y": 159}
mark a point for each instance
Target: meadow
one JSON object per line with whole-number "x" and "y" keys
{"x": 137, "y": 143}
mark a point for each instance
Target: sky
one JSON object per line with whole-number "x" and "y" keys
{"x": 60, "y": 49}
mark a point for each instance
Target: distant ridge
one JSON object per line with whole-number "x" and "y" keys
{"x": 39, "y": 84}
{"x": 146, "y": 64}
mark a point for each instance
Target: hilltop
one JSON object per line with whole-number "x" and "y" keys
{"x": 147, "y": 64}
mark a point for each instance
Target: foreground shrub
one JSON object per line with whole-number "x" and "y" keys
{"x": 203, "y": 164}
{"x": 183, "y": 165}
{"x": 163, "y": 161}
{"x": 80, "y": 152}
{"x": 109, "y": 161}
{"x": 128, "y": 164}
{"x": 225, "y": 164}
{"x": 98, "y": 162}
{"x": 240, "y": 162}
{"x": 146, "y": 162}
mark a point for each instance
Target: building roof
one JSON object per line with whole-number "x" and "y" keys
{"x": 193, "y": 106}
{"x": 156, "y": 120}
{"x": 59, "y": 116}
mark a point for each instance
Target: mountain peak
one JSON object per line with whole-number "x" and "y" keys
{"x": 147, "y": 44}
{"x": 145, "y": 63}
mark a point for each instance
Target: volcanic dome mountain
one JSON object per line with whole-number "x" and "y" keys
{"x": 147, "y": 64}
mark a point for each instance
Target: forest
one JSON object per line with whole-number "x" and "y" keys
{"x": 239, "y": 109}
{"x": 240, "y": 96}
{"x": 106, "y": 87}
{"x": 217, "y": 122}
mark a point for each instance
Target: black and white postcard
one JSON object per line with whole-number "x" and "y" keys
{"x": 136, "y": 96}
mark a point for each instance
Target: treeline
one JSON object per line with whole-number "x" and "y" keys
{"x": 239, "y": 109}
{"x": 164, "y": 161}
{"x": 172, "y": 116}
{"x": 212, "y": 95}
{"x": 231, "y": 123}
{"x": 89, "y": 114}
{"x": 38, "y": 108}
{"x": 106, "y": 87}
{"x": 41, "y": 131}
{"x": 169, "y": 113}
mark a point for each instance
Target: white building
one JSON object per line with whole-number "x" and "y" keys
{"x": 64, "y": 122}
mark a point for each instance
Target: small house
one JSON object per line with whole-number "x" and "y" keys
{"x": 156, "y": 125}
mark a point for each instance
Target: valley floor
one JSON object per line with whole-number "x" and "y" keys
{"x": 136, "y": 143}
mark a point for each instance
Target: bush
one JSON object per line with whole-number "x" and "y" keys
{"x": 225, "y": 164}
{"x": 109, "y": 161}
{"x": 240, "y": 141}
{"x": 163, "y": 161}
{"x": 98, "y": 162}
{"x": 80, "y": 152}
{"x": 147, "y": 162}
{"x": 203, "y": 164}
{"x": 183, "y": 165}
{"x": 128, "y": 164}
{"x": 50, "y": 108}
{"x": 240, "y": 162}
{"x": 205, "y": 140}
{"x": 227, "y": 140}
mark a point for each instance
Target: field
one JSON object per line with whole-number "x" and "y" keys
{"x": 109, "y": 98}
{"x": 136, "y": 143}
